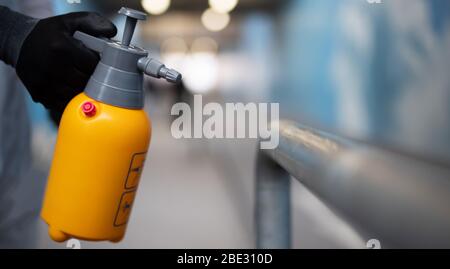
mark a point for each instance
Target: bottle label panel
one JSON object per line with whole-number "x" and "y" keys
{"x": 124, "y": 210}
{"x": 135, "y": 170}
{"x": 131, "y": 184}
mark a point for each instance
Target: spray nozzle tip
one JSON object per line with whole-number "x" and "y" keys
{"x": 157, "y": 69}
{"x": 170, "y": 75}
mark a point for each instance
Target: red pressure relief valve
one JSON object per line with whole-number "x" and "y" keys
{"x": 89, "y": 109}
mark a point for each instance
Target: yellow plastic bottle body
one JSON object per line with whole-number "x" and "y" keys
{"x": 95, "y": 172}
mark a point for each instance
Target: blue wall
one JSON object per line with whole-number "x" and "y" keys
{"x": 378, "y": 72}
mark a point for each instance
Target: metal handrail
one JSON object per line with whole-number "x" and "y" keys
{"x": 400, "y": 200}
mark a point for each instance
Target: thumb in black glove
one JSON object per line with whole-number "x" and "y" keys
{"x": 54, "y": 66}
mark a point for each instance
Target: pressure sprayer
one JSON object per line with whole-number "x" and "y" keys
{"x": 102, "y": 142}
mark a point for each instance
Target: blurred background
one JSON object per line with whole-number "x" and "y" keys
{"x": 376, "y": 72}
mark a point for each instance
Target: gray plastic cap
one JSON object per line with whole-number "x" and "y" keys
{"x": 118, "y": 78}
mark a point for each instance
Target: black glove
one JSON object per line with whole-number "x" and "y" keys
{"x": 54, "y": 66}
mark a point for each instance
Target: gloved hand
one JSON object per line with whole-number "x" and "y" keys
{"x": 54, "y": 66}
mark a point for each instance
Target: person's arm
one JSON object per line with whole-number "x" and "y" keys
{"x": 14, "y": 28}
{"x": 53, "y": 66}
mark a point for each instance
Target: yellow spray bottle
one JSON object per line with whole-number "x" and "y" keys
{"x": 102, "y": 143}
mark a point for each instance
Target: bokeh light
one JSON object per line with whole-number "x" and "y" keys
{"x": 215, "y": 21}
{"x": 223, "y": 6}
{"x": 156, "y": 7}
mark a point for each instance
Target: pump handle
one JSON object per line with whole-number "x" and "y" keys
{"x": 132, "y": 17}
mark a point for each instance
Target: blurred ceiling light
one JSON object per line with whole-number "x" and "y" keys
{"x": 174, "y": 45}
{"x": 156, "y": 7}
{"x": 173, "y": 52}
{"x": 215, "y": 21}
{"x": 199, "y": 64}
{"x": 204, "y": 44}
{"x": 223, "y": 6}
{"x": 200, "y": 73}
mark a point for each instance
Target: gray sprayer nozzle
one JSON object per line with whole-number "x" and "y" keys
{"x": 156, "y": 69}
{"x": 117, "y": 80}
